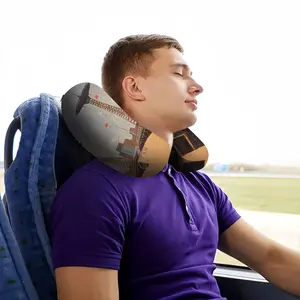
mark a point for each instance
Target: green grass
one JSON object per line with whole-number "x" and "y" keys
{"x": 259, "y": 194}
{"x": 262, "y": 194}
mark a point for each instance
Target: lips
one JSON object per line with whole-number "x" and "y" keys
{"x": 192, "y": 103}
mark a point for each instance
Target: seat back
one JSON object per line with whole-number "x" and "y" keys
{"x": 47, "y": 156}
{"x": 30, "y": 187}
{"x": 15, "y": 282}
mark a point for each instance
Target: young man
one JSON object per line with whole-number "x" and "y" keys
{"x": 119, "y": 237}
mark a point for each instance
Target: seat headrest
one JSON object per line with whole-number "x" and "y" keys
{"x": 106, "y": 131}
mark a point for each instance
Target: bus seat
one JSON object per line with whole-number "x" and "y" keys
{"x": 30, "y": 187}
{"x": 47, "y": 156}
{"x": 15, "y": 282}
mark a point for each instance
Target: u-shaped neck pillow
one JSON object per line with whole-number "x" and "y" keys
{"x": 105, "y": 130}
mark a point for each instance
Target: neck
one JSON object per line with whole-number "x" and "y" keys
{"x": 158, "y": 130}
{"x": 165, "y": 135}
{"x": 148, "y": 122}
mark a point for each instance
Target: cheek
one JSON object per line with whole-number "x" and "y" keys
{"x": 151, "y": 88}
{"x": 165, "y": 91}
{"x": 177, "y": 90}
{"x": 156, "y": 90}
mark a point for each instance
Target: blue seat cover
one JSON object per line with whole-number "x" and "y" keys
{"x": 30, "y": 186}
{"x": 15, "y": 282}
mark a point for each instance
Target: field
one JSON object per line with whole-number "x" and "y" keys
{"x": 269, "y": 195}
{"x": 261, "y": 199}
{"x": 262, "y": 194}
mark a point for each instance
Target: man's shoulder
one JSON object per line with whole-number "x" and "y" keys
{"x": 96, "y": 168}
{"x": 203, "y": 179}
{"x": 94, "y": 178}
{"x": 205, "y": 184}
{"x": 91, "y": 188}
{"x": 95, "y": 171}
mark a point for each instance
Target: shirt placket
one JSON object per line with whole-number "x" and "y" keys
{"x": 186, "y": 203}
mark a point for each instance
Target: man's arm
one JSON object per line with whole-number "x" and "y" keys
{"x": 277, "y": 263}
{"x": 88, "y": 225}
{"x": 77, "y": 283}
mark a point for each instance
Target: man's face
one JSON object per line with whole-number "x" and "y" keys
{"x": 170, "y": 91}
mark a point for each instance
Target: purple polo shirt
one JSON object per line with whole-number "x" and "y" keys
{"x": 161, "y": 233}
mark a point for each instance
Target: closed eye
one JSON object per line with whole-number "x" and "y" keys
{"x": 179, "y": 74}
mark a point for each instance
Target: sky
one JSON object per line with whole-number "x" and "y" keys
{"x": 245, "y": 54}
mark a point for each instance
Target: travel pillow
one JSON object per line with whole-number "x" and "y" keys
{"x": 105, "y": 130}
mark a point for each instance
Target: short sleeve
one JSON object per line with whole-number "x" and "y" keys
{"x": 227, "y": 214}
{"x": 88, "y": 223}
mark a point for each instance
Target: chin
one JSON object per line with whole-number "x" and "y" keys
{"x": 190, "y": 120}
{"x": 193, "y": 120}
{"x": 184, "y": 123}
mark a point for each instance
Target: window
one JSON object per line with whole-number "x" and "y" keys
{"x": 244, "y": 54}
{"x": 267, "y": 198}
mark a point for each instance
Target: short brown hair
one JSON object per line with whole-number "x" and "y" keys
{"x": 131, "y": 53}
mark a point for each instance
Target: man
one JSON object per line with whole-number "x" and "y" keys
{"x": 118, "y": 237}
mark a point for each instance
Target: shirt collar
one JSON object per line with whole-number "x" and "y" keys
{"x": 165, "y": 168}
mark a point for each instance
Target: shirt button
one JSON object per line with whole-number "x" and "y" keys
{"x": 187, "y": 208}
{"x": 169, "y": 171}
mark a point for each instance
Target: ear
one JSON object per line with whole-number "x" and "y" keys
{"x": 131, "y": 88}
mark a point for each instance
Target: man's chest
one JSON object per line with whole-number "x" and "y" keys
{"x": 173, "y": 225}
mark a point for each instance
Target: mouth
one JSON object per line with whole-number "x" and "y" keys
{"x": 192, "y": 104}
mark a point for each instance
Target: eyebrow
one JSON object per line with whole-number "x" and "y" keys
{"x": 182, "y": 65}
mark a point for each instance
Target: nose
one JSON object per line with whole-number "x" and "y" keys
{"x": 195, "y": 89}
